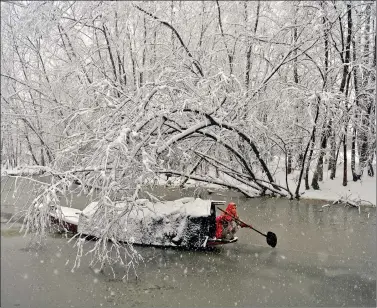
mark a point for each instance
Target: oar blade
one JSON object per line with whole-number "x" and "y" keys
{"x": 272, "y": 240}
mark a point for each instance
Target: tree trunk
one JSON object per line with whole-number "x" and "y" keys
{"x": 110, "y": 52}
{"x": 318, "y": 174}
{"x": 312, "y": 137}
{"x": 333, "y": 152}
{"x": 366, "y": 101}
{"x": 355, "y": 176}
{"x": 31, "y": 149}
{"x": 345, "y": 157}
{"x": 143, "y": 60}
{"x": 347, "y": 60}
{"x": 133, "y": 62}
{"x": 370, "y": 166}
{"x": 289, "y": 161}
{"x": 308, "y": 164}
{"x": 43, "y": 163}
{"x": 171, "y": 22}
{"x": 249, "y": 45}
{"x": 121, "y": 70}
{"x": 333, "y": 156}
{"x": 295, "y": 78}
{"x": 230, "y": 56}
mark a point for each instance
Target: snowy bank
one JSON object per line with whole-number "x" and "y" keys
{"x": 362, "y": 192}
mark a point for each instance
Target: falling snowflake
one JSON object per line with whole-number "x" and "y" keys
{"x": 56, "y": 271}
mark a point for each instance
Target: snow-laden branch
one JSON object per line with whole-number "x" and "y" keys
{"x": 165, "y": 23}
{"x": 231, "y": 127}
{"x": 229, "y": 148}
{"x": 189, "y": 131}
{"x": 241, "y": 177}
{"x": 208, "y": 180}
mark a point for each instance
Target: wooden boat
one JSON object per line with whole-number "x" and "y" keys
{"x": 186, "y": 222}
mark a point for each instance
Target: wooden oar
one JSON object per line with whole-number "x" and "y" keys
{"x": 270, "y": 236}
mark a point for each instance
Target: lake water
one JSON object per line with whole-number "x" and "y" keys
{"x": 325, "y": 256}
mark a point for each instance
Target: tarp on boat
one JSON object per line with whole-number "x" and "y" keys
{"x": 183, "y": 222}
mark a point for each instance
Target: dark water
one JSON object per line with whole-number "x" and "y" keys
{"x": 325, "y": 256}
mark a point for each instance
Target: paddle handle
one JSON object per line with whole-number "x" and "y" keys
{"x": 239, "y": 220}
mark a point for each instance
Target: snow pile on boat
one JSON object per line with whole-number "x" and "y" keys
{"x": 67, "y": 214}
{"x": 182, "y": 222}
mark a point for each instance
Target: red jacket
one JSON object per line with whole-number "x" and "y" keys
{"x": 231, "y": 211}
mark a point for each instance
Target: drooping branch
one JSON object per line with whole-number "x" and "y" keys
{"x": 243, "y": 135}
{"x": 235, "y": 175}
{"x": 240, "y": 176}
{"x": 228, "y": 147}
{"x": 207, "y": 180}
{"x": 193, "y": 129}
{"x": 196, "y": 165}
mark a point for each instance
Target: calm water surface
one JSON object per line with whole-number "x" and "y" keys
{"x": 325, "y": 256}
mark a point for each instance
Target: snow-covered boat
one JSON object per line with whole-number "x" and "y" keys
{"x": 186, "y": 222}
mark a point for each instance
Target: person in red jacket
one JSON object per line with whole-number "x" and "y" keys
{"x": 226, "y": 225}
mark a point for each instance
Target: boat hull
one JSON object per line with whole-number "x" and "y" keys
{"x": 63, "y": 226}
{"x": 220, "y": 242}
{"x": 175, "y": 228}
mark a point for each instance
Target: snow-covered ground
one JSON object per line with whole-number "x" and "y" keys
{"x": 28, "y": 170}
{"x": 362, "y": 192}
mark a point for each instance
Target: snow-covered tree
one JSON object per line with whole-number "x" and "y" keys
{"x": 111, "y": 95}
